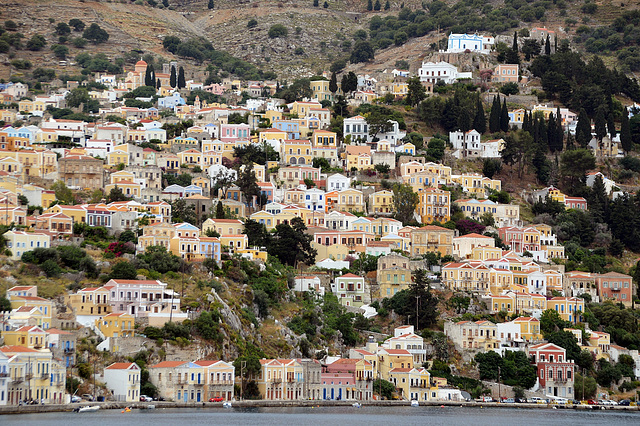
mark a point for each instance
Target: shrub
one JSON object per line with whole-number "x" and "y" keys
{"x": 252, "y": 23}
{"x": 277, "y": 31}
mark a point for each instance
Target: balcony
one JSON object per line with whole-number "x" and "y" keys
{"x": 44, "y": 376}
{"x": 69, "y": 350}
{"x": 28, "y": 376}
{"x": 276, "y": 381}
{"x": 4, "y": 374}
{"x": 615, "y": 288}
{"x": 221, "y": 383}
{"x": 198, "y": 383}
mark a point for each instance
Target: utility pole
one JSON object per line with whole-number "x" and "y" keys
{"x": 417, "y": 317}
{"x": 243, "y": 364}
{"x": 499, "y": 394}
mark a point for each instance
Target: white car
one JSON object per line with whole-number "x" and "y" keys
{"x": 145, "y": 398}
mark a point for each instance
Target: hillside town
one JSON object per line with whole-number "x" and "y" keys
{"x": 422, "y": 233}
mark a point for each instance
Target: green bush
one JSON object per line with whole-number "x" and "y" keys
{"x": 277, "y": 31}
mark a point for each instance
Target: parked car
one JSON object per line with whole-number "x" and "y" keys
{"x": 624, "y": 403}
{"x": 592, "y": 402}
{"x": 217, "y": 399}
{"x": 521, "y": 400}
{"x": 509, "y": 401}
{"x": 604, "y": 402}
{"x": 145, "y": 398}
{"x": 487, "y": 399}
{"x": 87, "y": 397}
{"x": 561, "y": 401}
{"x": 612, "y": 402}
{"x": 76, "y": 398}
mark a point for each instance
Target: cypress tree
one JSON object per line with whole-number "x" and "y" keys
{"x": 551, "y": 133}
{"x": 504, "y": 117}
{"x": 181, "y": 81}
{"x": 625, "y": 132}
{"x": 158, "y": 85}
{"x": 377, "y": 5}
{"x": 611, "y": 126}
{"x": 526, "y": 125}
{"x": 570, "y": 142}
{"x": 173, "y": 78}
{"x": 370, "y": 5}
{"x": 387, "y": 5}
{"x": 480, "y": 120}
{"x": 211, "y": 5}
{"x": 494, "y": 116}
{"x": 547, "y": 46}
{"x": 149, "y": 76}
{"x": 600, "y": 124}
{"x": 515, "y": 42}
{"x": 219, "y": 210}
{"x": 559, "y": 131}
{"x": 583, "y": 129}
{"x": 333, "y": 83}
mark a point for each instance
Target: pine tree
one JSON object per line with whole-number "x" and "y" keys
{"x": 370, "y": 5}
{"x": 611, "y": 126}
{"x": 547, "y": 46}
{"x": 583, "y": 129}
{"x": 377, "y": 5}
{"x": 625, "y": 132}
{"x": 504, "y": 117}
{"x": 211, "y": 5}
{"x": 333, "y": 84}
{"x": 600, "y": 124}
{"x": 173, "y": 78}
{"x": 316, "y": 3}
{"x": 480, "y": 120}
{"x": 181, "y": 81}
{"x": 494, "y": 116}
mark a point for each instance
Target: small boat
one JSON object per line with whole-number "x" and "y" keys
{"x": 226, "y": 404}
{"x": 414, "y": 403}
{"x": 151, "y": 407}
{"x": 88, "y": 409}
{"x": 356, "y": 405}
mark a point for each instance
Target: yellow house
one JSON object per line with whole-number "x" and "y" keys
{"x": 350, "y": 200}
{"x": 158, "y": 234}
{"x": 569, "y": 308}
{"x": 324, "y": 138}
{"x": 381, "y": 202}
{"x": 475, "y": 183}
{"x": 77, "y": 213}
{"x": 30, "y": 336}
{"x": 255, "y": 253}
{"x": 272, "y": 115}
{"x": 7, "y": 116}
{"x": 486, "y": 253}
{"x": 33, "y": 374}
{"x": 28, "y": 302}
{"x": 434, "y": 205}
{"x": 431, "y": 239}
{"x": 89, "y": 301}
{"x": 128, "y": 188}
{"x": 388, "y": 359}
{"x": 297, "y": 151}
{"x": 20, "y": 242}
{"x": 223, "y": 226}
{"x": 234, "y": 241}
{"x": 117, "y": 157}
{"x": 529, "y": 328}
{"x": 301, "y": 109}
{"x": 116, "y": 325}
{"x": 413, "y": 383}
{"x": 333, "y": 251}
{"x": 393, "y": 280}
{"x": 272, "y": 134}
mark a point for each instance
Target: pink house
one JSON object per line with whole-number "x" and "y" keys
{"x": 555, "y": 372}
{"x": 506, "y": 73}
{"x": 234, "y": 132}
{"x": 214, "y": 88}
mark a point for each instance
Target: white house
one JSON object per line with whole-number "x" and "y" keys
{"x": 358, "y": 129}
{"x": 338, "y": 182}
{"x": 99, "y": 147}
{"x": 432, "y": 72}
{"x": 472, "y": 42}
{"x": 308, "y": 283}
{"x": 314, "y": 200}
{"x": 329, "y": 263}
{"x": 609, "y": 184}
{"x": 123, "y": 379}
{"x": 537, "y": 283}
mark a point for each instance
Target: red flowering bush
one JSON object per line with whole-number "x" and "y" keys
{"x": 119, "y": 248}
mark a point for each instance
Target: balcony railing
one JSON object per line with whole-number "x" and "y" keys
{"x": 44, "y": 376}
{"x": 4, "y": 374}
{"x": 69, "y": 350}
{"x": 17, "y": 380}
{"x": 221, "y": 382}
